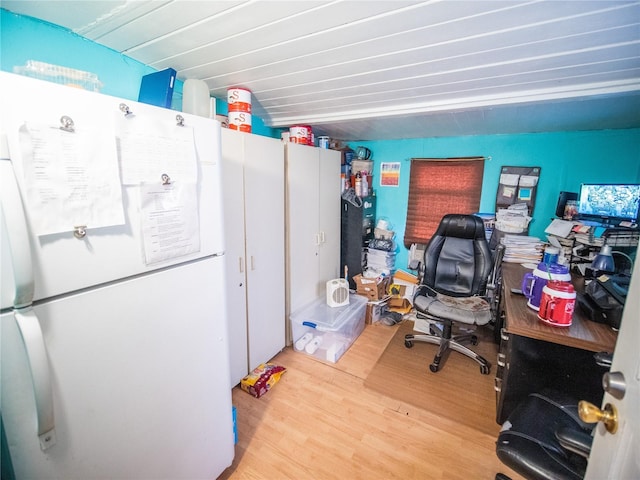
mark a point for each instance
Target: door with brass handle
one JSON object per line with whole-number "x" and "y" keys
{"x": 614, "y": 457}
{"x": 589, "y": 413}
{"x": 614, "y": 384}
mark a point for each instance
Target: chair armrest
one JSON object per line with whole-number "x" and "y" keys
{"x": 424, "y": 291}
{"x": 575, "y": 441}
{"x": 603, "y": 359}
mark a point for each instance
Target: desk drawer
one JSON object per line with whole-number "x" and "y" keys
{"x": 502, "y": 372}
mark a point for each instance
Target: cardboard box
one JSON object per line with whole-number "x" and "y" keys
{"x": 406, "y": 277}
{"x": 372, "y": 288}
{"x": 403, "y": 308}
{"x": 397, "y": 292}
{"x": 374, "y": 312}
{"x": 409, "y": 281}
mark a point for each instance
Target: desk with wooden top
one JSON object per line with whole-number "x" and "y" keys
{"x": 534, "y": 356}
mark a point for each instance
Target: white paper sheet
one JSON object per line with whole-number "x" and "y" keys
{"x": 528, "y": 181}
{"x": 510, "y": 179}
{"x": 170, "y": 221}
{"x": 71, "y": 178}
{"x": 559, "y": 228}
{"x": 151, "y": 147}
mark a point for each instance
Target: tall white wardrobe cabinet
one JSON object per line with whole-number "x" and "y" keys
{"x": 313, "y": 222}
{"x": 254, "y": 196}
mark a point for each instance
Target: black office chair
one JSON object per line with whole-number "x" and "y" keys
{"x": 544, "y": 439}
{"x": 457, "y": 264}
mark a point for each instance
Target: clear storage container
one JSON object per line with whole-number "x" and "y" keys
{"x": 327, "y": 332}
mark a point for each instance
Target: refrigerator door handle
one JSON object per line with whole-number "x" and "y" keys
{"x": 39, "y": 364}
{"x": 16, "y": 227}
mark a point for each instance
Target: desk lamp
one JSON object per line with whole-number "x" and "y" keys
{"x": 604, "y": 261}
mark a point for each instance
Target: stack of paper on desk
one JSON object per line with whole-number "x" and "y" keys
{"x": 522, "y": 249}
{"x": 381, "y": 261}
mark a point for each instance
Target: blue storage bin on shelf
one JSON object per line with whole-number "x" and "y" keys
{"x": 326, "y": 332}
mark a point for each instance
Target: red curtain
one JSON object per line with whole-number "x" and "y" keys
{"x": 439, "y": 186}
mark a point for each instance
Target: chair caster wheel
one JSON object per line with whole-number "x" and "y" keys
{"x": 433, "y": 367}
{"x": 484, "y": 370}
{"x": 474, "y": 340}
{"x": 408, "y": 343}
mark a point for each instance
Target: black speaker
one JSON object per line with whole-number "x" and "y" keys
{"x": 562, "y": 201}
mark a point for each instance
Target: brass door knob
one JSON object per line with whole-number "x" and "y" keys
{"x": 589, "y": 413}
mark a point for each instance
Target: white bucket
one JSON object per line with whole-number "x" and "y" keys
{"x": 196, "y": 98}
{"x": 240, "y": 121}
{"x": 239, "y": 100}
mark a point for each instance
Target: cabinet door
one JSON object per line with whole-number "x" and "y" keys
{"x": 265, "y": 237}
{"x": 233, "y": 197}
{"x": 329, "y": 218}
{"x": 303, "y": 205}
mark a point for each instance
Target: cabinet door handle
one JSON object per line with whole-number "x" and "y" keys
{"x": 317, "y": 239}
{"x": 36, "y": 351}
{"x": 503, "y": 335}
{"x": 241, "y": 264}
{"x": 322, "y": 240}
{"x": 253, "y": 265}
{"x": 501, "y": 359}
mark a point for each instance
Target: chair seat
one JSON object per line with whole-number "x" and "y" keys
{"x": 472, "y": 310}
{"x": 528, "y": 442}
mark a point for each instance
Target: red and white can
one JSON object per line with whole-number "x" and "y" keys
{"x": 557, "y": 303}
{"x": 240, "y": 121}
{"x": 310, "y": 136}
{"x": 239, "y": 99}
{"x": 299, "y": 134}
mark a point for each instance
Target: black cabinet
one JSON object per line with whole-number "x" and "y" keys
{"x": 357, "y": 225}
{"x": 527, "y": 365}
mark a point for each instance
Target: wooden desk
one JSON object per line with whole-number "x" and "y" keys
{"x": 534, "y": 356}
{"x": 522, "y": 320}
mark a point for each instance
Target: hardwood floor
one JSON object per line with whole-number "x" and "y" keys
{"x": 320, "y": 422}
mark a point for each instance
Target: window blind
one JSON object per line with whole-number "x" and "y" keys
{"x": 439, "y": 186}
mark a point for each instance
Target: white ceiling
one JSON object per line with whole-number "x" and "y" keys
{"x": 367, "y": 70}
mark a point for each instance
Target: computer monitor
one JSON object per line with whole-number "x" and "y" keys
{"x": 609, "y": 203}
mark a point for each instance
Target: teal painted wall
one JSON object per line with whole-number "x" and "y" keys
{"x": 567, "y": 159}
{"x": 25, "y": 38}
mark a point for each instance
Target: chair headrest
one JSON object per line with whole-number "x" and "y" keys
{"x": 461, "y": 226}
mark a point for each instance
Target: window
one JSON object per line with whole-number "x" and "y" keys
{"x": 439, "y": 186}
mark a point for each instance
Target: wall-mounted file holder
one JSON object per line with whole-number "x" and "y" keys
{"x": 517, "y": 185}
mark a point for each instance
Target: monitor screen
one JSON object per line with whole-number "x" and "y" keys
{"x": 609, "y": 202}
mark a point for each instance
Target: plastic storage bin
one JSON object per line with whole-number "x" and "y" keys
{"x": 327, "y": 332}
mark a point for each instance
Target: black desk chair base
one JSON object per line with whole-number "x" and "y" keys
{"x": 442, "y": 336}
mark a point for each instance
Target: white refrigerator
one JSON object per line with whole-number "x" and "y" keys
{"x": 114, "y": 343}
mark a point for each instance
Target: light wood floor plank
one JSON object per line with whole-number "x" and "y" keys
{"x": 320, "y": 422}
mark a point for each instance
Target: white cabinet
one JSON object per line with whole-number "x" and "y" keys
{"x": 313, "y": 222}
{"x": 253, "y": 178}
